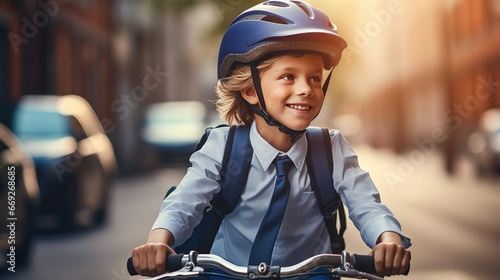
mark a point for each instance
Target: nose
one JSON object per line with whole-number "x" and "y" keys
{"x": 304, "y": 88}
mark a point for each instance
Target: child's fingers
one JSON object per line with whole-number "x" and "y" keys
{"x": 161, "y": 259}
{"x": 135, "y": 261}
{"x": 399, "y": 253}
{"x": 405, "y": 263}
{"x": 140, "y": 261}
{"x": 389, "y": 255}
{"x": 391, "y": 259}
{"x": 149, "y": 259}
{"x": 379, "y": 259}
{"x": 162, "y": 252}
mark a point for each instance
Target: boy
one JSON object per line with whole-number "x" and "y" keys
{"x": 270, "y": 71}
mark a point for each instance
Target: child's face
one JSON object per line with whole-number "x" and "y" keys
{"x": 292, "y": 89}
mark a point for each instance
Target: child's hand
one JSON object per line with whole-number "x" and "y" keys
{"x": 150, "y": 259}
{"x": 390, "y": 257}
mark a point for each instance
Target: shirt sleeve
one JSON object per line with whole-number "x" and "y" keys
{"x": 182, "y": 210}
{"x": 360, "y": 195}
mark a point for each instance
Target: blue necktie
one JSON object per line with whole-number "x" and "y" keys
{"x": 263, "y": 245}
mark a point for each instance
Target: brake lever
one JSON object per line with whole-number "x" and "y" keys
{"x": 353, "y": 273}
{"x": 347, "y": 269}
{"x": 190, "y": 269}
{"x": 177, "y": 275}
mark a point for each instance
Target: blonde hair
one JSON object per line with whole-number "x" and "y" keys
{"x": 231, "y": 105}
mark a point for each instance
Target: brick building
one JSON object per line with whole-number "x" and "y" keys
{"x": 56, "y": 47}
{"x": 100, "y": 50}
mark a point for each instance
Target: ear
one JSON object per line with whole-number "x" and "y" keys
{"x": 250, "y": 95}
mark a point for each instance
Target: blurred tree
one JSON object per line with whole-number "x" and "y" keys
{"x": 176, "y": 6}
{"x": 226, "y": 10}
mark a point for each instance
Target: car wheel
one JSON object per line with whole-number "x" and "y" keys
{"x": 69, "y": 209}
{"x": 101, "y": 214}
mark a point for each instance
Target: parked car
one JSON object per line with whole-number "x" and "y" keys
{"x": 174, "y": 128}
{"x": 74, "y": 159}
{"x": 19, "y": 198}
{"x": 484, "y": 144}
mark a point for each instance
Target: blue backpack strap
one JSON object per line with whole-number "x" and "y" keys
{"x": 234, "y": 174}
{"x": 234, "y": 171}
{"x": 320, "y": 169}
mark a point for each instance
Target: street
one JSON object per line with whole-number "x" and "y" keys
{"x": 452, "y": 221}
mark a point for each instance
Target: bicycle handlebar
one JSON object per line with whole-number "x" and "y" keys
{"x": 343, "y": 263}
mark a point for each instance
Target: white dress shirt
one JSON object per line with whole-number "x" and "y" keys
{"x": 303, "y": 232}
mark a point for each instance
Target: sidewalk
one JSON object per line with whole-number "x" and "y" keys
{"x": 453, "y": 221}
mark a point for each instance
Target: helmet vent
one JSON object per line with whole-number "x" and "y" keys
{"x": 268, "y": 18}
{"x": 252, "y": 17}
{"x": 276, "y": 3}
{"x": 274, "y": 19}
{"x": 304, "y": 8}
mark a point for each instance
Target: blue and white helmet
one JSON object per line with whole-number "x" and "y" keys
{"x": 274, "y": 26}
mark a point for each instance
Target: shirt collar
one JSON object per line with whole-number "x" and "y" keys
{"x": 266, "y": 153}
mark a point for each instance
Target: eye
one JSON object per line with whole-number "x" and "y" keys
{"x": 316, "y": 79}
{"x": 287, "y": 77}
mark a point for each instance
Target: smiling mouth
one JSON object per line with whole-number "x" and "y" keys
{"x": 299, "y": 107}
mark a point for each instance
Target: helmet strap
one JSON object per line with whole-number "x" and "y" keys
{"x": 327, "y": 82}
{"x": 261, "y": 111}
{"x": 325, "y": 86}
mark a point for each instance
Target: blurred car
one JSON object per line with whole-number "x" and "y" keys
{"x": 174, "y": 128}
{"x": 484, "y": 144}
{"x": 74, "y": 159}
{"x": 19, "y": 198}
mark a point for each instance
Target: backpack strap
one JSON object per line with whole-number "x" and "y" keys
{"x": 320, "y": 169}
{"x": 205, "y": 135}
{"x": 234, "y": 173}
{"x": 234, "y": 170}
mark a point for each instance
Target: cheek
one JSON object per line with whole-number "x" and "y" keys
{"x": 278, "y": 98}
{"x": 321, "y": 97}
{"x": 274, "y": 92}
{"x": 320, "y": 100}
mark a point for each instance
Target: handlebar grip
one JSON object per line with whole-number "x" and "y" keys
{"x": 130, "y": 267}
{"x": 365, "y": 263}
{"x": 174, "y": 262}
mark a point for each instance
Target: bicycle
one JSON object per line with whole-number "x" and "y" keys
{"x": 194, "y": 265}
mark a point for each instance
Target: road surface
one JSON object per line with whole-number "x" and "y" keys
{"x": 453, "y": 222}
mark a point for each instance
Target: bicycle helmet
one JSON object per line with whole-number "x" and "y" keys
{"x": 277, "y": 26}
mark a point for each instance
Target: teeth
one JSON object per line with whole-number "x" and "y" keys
{"x": 299, "y": 107}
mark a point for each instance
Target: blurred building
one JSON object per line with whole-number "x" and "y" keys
{"x": 109, "y": 52}
{"x": 120, "y": 55}
{"x": 56, "y": 47}
{"x": 422, "y": 72}
{"x": 473, "y": 76}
